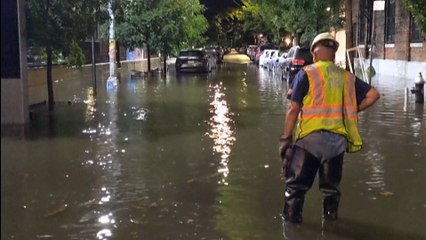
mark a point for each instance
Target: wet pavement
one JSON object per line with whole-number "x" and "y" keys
{"x": 194, "y": 156}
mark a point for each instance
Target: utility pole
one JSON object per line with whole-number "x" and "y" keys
{"x": 377, "y": 6}
{"x": 112, "y": 81}
{"x": 349, "y": 36}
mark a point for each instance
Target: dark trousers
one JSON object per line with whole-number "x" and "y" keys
{"x": 301, "y": 173}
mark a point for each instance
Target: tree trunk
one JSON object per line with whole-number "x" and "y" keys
{"x": 117, "y": 54}
{"x": 149, "y": 57}
{"x": 50, "y": 95}
{"x": 164, "y": 63}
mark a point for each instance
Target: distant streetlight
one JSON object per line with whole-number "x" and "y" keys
{"x": 328, "y": 9}
{"x": 287, "y": 41}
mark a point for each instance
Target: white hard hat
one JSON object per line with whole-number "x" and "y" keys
{"x": 326, "y": 40}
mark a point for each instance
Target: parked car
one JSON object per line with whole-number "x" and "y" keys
{"x": 265, "y": 56}
{"x": 275, "y": 63}
{"x": 278, "y": 64}
{"x": 194, "y": 60}
{"x": 297, "y": 58}
{"x": 270, "y": 62}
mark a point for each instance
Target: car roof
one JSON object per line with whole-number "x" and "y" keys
{"x": 189, "y": 52}
{"x": 192, "y": 49}
{"x": 300, "y": 47}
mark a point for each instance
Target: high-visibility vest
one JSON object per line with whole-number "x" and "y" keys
{"x": 330, "y": 104}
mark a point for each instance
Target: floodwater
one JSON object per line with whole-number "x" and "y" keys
{"x": 194, "y": 156}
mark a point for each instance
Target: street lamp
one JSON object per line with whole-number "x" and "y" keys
{"x": 260, "y": 36}
{"x": 287, "y": 41}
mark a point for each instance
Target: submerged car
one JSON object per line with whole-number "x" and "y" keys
{"x": 193, "y": 60}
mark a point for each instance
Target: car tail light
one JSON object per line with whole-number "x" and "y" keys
{"x": 297, "y": 61}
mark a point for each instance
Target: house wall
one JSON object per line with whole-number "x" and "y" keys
{"x": 401, "y": 58}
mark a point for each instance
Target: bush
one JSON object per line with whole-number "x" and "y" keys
{"x": 76, "y": 56}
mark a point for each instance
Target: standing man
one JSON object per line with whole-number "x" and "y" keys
{"x": 321, "y": 124}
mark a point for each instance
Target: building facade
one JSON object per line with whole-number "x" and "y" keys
{"x": 398, "y": 47}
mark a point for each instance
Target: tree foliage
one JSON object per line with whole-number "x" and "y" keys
{"x": 230, "y": 27}
{"x": 56, "y": 23}
{"x": 76, "y": 57}
{"x": 302, "y": 18}
{"x": 417, "y": 8}
{"x": 163, "y": 25}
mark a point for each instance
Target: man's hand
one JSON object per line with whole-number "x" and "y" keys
{"x": 285, "y": 154}
{"x": 285, "y": 143}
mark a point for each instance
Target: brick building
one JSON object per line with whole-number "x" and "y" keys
{"x": 398, "y": 47}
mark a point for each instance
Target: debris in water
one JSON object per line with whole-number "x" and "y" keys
{"x": 387, "y": 193}
{"x": 44, "y": 236}
{"x": 88, "y": 203}
{"x": 153, "y": 205}
{"x": 135, "y": 221}
{"x": 59, "y": 210}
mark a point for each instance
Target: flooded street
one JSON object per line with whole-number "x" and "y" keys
{"x": 195, "y": 156}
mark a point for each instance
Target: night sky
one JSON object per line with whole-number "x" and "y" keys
{"x": 217, "y": 6}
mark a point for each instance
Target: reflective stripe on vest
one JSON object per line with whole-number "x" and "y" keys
{"x": 330, "y": 104}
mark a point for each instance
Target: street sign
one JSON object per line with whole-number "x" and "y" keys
{"x": 379, "y": 5}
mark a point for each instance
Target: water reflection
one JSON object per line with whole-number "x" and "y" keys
{"x": 376, "y": 171}
{"x": 221, "y": 128}
{"x": 419, "y": 123}
{"x": 107, "y": 157}
{"x": 110, "y": 152}
{"x": 90, "y": 101}
{"x": 140, "y": 114}
{"x": 104, "y": 234}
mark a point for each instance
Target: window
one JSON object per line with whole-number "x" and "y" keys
{"x": 365, "y": 7}
{"x": 415, "y": 36}
{"x": 354, "y": 36}
{"x": 361, "y": 36}
{"x": 390, "y": 21}
{"x": 291, "y": 52}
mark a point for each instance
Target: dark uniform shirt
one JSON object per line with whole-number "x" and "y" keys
{"x": 322, "y": 144}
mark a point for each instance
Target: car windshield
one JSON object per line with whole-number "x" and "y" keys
{"x": 191, "y": 54}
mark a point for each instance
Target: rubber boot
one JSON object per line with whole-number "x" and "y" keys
{"x": 330, "y": 207}
{"x": 301, "y": 173}
{"x": 293, "y": 209}
{"x": 330, "y": 175}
